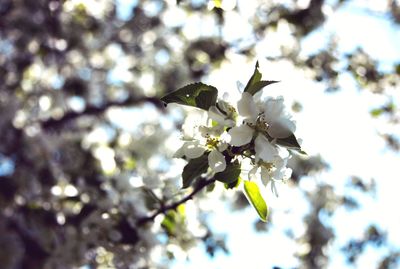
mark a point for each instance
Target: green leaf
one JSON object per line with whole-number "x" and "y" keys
{"x": 233, "y": 184}
{"x": 258, "y": 86}
{"x": 197, "y": 94}
{"x": 230, "y": 174}
{"x": 255, "y": 84}
{"x": 194, "y": 169}
{"x": 303, "y": 152}
{"x": 257, "y": 201}
{"x": 256, "y": 77}
{"x": 168, "y": 223}
{"x": 376, "y": 112}
{"x": 173, "y": 220}
{"x": 289, "y": 142}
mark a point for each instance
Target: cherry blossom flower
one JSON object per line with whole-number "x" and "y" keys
{"x": 210, "y": 139}
{"x": 264, "y": 121}
{"x": 272, "y": 172}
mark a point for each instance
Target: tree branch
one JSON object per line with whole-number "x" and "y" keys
{"x": 96, "y": 110}
{"x": 164, "y": 209}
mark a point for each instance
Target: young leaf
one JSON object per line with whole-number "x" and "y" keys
{"x": 257, "y": 201}
{"x": 256, "y": 77}
{"x": 376, "y": 112}
{"x": 258, "y": 86}
{"x": 197, "y": 94}
{"x": 289, "y": 142}
{"x": 230, "y": 174}
{"x": 194, "y": 169}
{"x": 168, "y": 223}
{"x": 173, "y": 220}
{"x": 255, "y": 83}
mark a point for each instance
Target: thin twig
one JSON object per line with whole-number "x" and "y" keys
{"x": 164, "y": 209}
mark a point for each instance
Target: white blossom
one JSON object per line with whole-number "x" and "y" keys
{"x": 261, "y": 119}
{"x": 271, "y": 173}
{"x": 279, "y": 122}
{"x": 207, "y": 138}
{"x": 263, "y": 123}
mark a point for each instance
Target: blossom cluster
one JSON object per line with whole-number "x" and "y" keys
{"x": 248, "y": 130}
{"x": 247, "y": 141}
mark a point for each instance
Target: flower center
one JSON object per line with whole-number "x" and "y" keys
{"x": 212, "y": 142}
{"x": 266, "y": 165}
{"x": 261, "y": 125}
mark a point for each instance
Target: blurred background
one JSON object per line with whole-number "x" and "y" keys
{"x": 86, "y": 147}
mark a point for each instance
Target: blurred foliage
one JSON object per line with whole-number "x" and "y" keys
{"x": 72, "y": 189}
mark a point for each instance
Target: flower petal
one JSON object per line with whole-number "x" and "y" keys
{"x": 216, "y": 161}
{"x": 274, "y": 189}
{"x": 193, "y": 150}
{"x": 241, "y": 135}
{"x": 264, "y": 149}
{"x": 273, "y": 108}
{"x": 265, "y": 176}
{"x": 216, "y": 115}
{"x": 281, "y": 128}
{"x": 180, "y": 152}
{"x": 247, "y": 107}
{"x": 252, "y": 173}
{"x": 222, "y": 146}
{"x": 230, "y": 123}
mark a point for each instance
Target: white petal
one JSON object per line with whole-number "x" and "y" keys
{"x": 278, "y": 174}
{"x": 287, "y": 173}
{"x": 273, "y": 109}
{"x": 274, "y": 189}
{"x": 223, "y": 146}
{"x": 229, "y": 123}
{"x": 216, "y": 115}
{"x": 193, "y": 149}
{"x": 281, "y": 128}
{"x": 180, "y": 152}
{"x": 279, "y": 162}
{"x": 264, "y": 149}
{"x": 193, "y": 120}
{"x": 265, "y": 176}
{"x": 216, "y": 161}
{"x": 284, "y": 153}
{"x": 247, "y": 107}
{"x": 241, "y": 135}
{"x": 204, "y": 131}
{"x": 252, "y": 173}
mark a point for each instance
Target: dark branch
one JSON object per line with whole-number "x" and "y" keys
{"x": 96, "y": 110}
{"x": 164, "y": 209}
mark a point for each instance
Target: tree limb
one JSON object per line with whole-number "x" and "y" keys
{"x": 164, "y": 209}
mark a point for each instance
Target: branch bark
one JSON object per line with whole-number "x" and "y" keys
{"x": 164, "y": 209}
